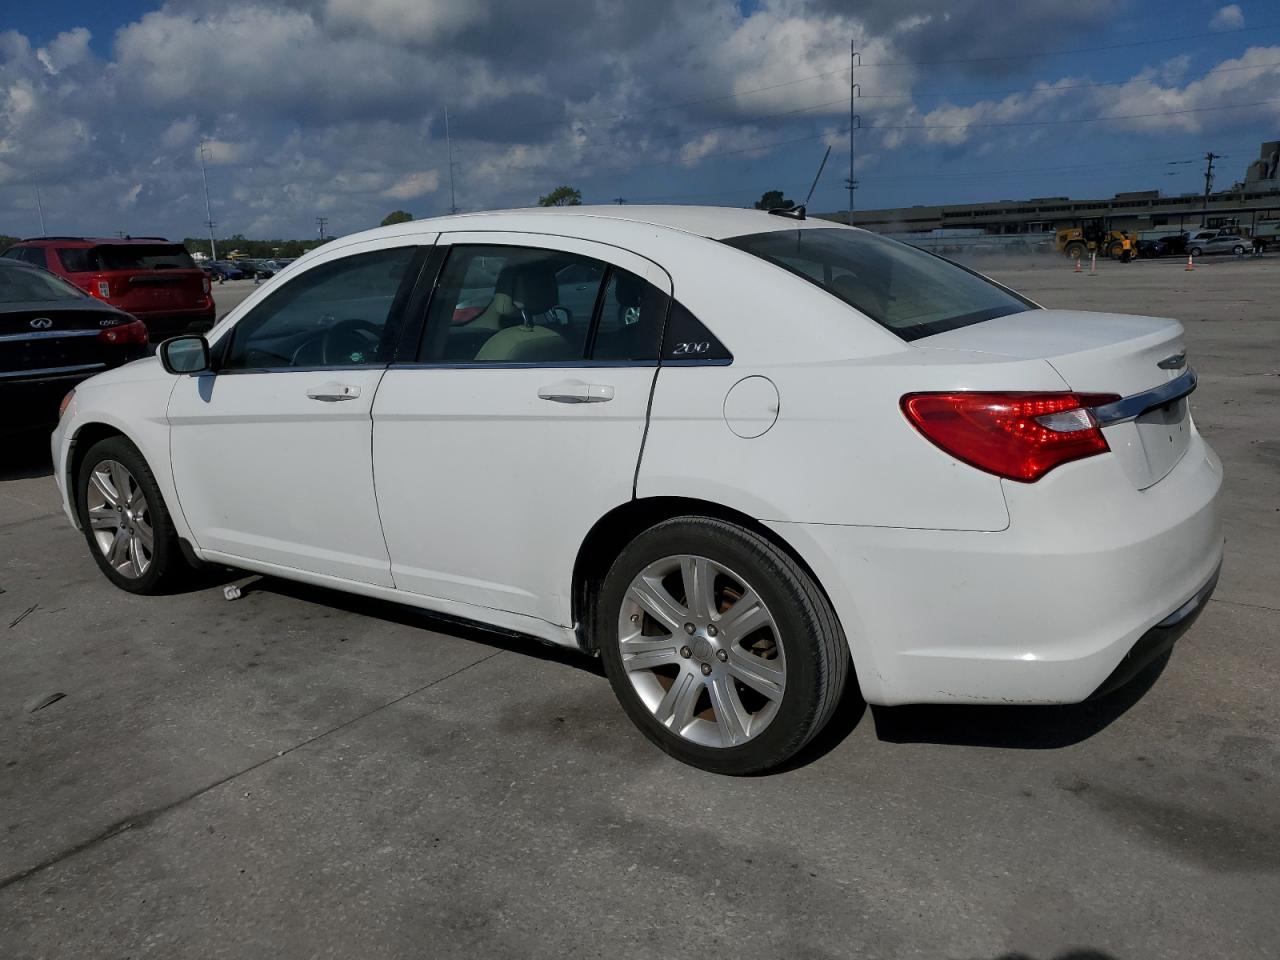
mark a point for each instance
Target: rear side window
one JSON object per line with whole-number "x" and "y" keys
{"x": 909, "y": 292}
{"x": 31, "y": 255}
{"x": 631, "y": 317}
{"x": 499, "y": 305}
{"x": 131, "y": 256}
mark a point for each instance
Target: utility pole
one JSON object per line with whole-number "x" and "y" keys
{"x": 453, "y": 203}
{"x": 44, "y": 232}
{"x": 1208, "y": 184}
{"x": 619, "y": 200}
{"x": 855, "y": 60}
{"x": 322, "y": 222}
{"x": 208, "y": 210}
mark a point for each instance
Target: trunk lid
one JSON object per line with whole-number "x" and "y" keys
{"x": 38, "y": 338}
{"x": 1100, "y": 353}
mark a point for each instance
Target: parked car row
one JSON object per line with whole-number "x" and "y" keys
{"x": 1198, "y": 244}
{"x": 243, "y": 268}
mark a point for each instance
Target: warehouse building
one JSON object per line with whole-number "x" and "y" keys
{"x": 1252, "y": 205}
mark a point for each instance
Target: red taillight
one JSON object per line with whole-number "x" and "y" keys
{"x": 204, "y": 284}
{"x": 1021, "y": 436}
{"x": 66, "y": 402}
{"x": 135, "y": 332}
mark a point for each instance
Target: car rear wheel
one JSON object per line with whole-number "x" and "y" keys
{"x": 721, "y": 649}
{"x": 1238, "y": 250}
{"x": 125, "y": 520}
{"x": 1195, "y": 251}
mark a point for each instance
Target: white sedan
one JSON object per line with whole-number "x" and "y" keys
{"x": 739, "y": 456}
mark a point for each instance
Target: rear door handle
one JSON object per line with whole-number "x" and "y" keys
{"x": 575, "y": 391}
{"x": 333, "y": 392}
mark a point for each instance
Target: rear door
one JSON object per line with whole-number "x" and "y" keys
{"x": 518, "y": 420}
{"x": 271, "y": 453}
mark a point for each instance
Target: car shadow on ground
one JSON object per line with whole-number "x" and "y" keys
{"x": 422, "y": 619}
{"x": 25, "y": 456}
{"x": 1012, "y": 727}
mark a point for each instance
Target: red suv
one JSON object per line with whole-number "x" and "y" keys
{"x": 149, "y": 277}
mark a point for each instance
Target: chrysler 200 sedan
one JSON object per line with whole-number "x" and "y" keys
{"x": 741, "y": 457}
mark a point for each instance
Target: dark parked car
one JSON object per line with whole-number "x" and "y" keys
{"x": 222, "y": 270}
{"x": 52, "y": 336}
{"x": 148, "y": 277}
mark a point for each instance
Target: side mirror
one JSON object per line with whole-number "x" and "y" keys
{"x": 189, "y": 354}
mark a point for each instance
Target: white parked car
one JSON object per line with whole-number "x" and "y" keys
{"x": 739, "y": 456}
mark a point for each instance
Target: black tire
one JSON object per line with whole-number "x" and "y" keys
{"x": 1195, "y": 251}
{"x": 817, "y": 655}
{"x": 1076, "y": 251}
{"x": 167, "y": 567}
{"x": 1238, "y": 250}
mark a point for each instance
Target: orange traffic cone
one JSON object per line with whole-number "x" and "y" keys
{"x": 1079, "y": 269}
{"x": 1191, "y": 265}
{"x": 1093, "y": 264}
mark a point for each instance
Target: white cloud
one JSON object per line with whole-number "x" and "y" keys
{"x": 413, "y": 185}
{"x": 1230, "y": 17}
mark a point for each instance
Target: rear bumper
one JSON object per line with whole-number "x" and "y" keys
{"x": 33, "y": 404}
{"x": 1159, "y": 640}
{"x": 1045, "y": 611}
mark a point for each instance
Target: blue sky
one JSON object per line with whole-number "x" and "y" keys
{"x": 335, "y": 108}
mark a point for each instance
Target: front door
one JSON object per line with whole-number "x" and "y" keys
{"x": 271, "y": 453}
{"x": 521, "y": 419}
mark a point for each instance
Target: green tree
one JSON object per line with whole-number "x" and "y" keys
{"x": 396, "y": 216}
{"x": 774, "y": 200}
{"x": 561, "y": 197}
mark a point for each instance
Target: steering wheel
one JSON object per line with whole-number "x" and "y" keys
{"x": 350, "y": 341}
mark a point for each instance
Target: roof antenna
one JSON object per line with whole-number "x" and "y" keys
{"x": 798, "y": 212}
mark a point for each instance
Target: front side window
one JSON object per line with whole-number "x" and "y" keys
{"x": 907, "y": 291}
{"x": 335, "y": 314}
{"x": 495, "y": 304}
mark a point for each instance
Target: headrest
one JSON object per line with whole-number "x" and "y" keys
{"x": 628, "y": 288}
{"x": 531, "y": 285}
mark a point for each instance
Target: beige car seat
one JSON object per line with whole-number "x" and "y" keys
{"x": 523, "y": 292}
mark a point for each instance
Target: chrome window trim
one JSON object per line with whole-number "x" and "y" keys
{"x": 1130, "y": 408}
{"x": 532, "y": 365}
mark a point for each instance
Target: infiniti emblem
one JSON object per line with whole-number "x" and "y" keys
{"x": 42, "y": 323}
{"x": 1176, "y": 362}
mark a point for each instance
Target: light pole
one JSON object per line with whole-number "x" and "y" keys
{"x": 208, "y": 210}
{"x": 44, "y": 232}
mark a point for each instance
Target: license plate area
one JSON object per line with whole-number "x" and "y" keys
{"x": 1164, "y": 434}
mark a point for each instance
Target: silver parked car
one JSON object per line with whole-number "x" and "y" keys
{"x": 1221, "y": 243}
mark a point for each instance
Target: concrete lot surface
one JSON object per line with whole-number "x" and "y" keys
{"x": 303, "y": 774}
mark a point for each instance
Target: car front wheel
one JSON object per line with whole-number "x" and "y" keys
{"x": 719, "y": 646}
{"x": 125, "y": 520}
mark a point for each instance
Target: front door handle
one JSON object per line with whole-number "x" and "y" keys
{"x": 575, "y": 391}
{"x": 333, "y": 392}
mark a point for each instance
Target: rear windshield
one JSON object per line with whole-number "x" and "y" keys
{"x": 29, "y": 285}
{"x": 909, "y": 292}
{"x": 133, "y": 256}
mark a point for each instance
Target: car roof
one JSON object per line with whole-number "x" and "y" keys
{"x": 93, "y": 241}
{"x": 715, "y": 223}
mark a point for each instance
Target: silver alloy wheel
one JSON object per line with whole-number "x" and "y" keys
{"x": 702, "y": 651}
{"x": 119, "y": 518}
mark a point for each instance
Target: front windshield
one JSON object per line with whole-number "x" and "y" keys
{"x": 30, "y": 285}
{"x": 909, "y": 292}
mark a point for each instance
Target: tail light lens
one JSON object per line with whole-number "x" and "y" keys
{"x": 133, "y": 332}
{"x": 104, "y": 289}
{"x": 1019, "y": 436}
{"x": 204, "y": 284}
{"x": 66, "y": 402}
